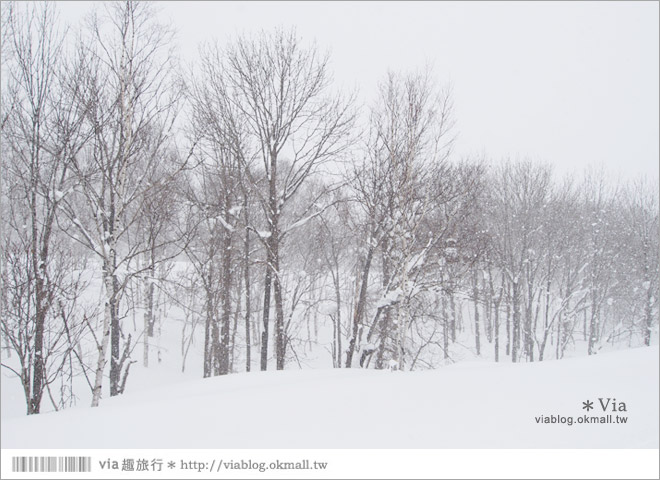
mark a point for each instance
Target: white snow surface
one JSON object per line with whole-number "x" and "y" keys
{"x": 466, "y": 405}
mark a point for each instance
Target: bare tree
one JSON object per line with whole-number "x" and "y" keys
{"x": 409, "y": 143}
{"x": 226, "y": 193}
{"x": 42, "y": 135}
{"x": 130, "y": 102}
{"x": 520, "y": 192}
{"x": 157, "y": 232}
{"x": 280, "y": 89}
{"x": 641, "y": 215}
{"x": 602, "y": 250}
{"x": 334, "y": 240}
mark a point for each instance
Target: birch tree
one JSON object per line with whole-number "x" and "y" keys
{"x": 130, "y": 102}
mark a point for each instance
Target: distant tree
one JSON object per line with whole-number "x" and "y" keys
{"x": 156, "y": 231}
{"x": 280, "y": 89}
{"x": 408, "y": 144}
{"x": 640, "y": 206}
{"x": 603, "y": 252}
{"x": 211, "y": 225}
{"x": 520, "y": 193}
{"x": 334, "y": 241}
{"x": 226, "y": 197}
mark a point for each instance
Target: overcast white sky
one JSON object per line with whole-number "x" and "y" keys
{"x": 571, "y": 83}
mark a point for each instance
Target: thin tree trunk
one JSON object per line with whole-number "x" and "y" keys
{"x": 234, "y": 329}
{"x": 452, "y": 305}
{"x": 338, "y": 321}
{"x": 248, "y": 345}
{"x": 225, "y": 323}
{"x": 508, "y": 328}
{"x": 38, "y": 373}
{"x": 105, "y": 341}
{"x": 272, "y": 263}
{"x": 515, "y": 346}
{"x": 488, "y": 300}
{"x": 280, "y": 334}
{"x": 497, "y": 330}
{"x": 208, "y": 328}
{"x": 385, "y": 323}
{"x": 115, "y": 364}
{"x": 266, "y": 313}
{"x": 360, "y": 307}
{"x": 648, "y": 307}
{"x": 593, "y": 325}
{"x": 475, "y": 295}
{"x": 445, "y": 328}
{"x": 149, "y": 309}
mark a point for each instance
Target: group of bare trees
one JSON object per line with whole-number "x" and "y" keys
{"x": 562, "y": 255}
{"x": 87, "y": 145}
{"x": 273, "y": 221}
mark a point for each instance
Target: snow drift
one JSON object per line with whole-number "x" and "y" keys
{"x": 467, "y": 405}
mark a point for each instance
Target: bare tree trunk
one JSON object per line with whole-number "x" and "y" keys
{"x": 149, "y": 317}
{"x": 38, "y": 372}
{"x": 115, "y": 364}
{"x": 497, "y": 331}
{"x": 559, "y": 322}
{"x": 547, "y": 304}
{"x": 248, "y": 311}
{"x": 445, "y": 328}
{"x": 496, "y": 300}
{"x": 208, "y": 327}
{"x": 338, "y": 320}
{"x": 593, "y": 325}
{"x": 515, "y": 344}
{"x": 234, "y": 329}
{"x": 225, "y": 324}
{"x": 112, "y": 292}
{"x": 488, "y": 300}
{"x": 215, "y": 343}
{"x": 475, "y": 295}
{"x": 105, "y": 340}
{"x": 527, "y": 326}
{"x": 280, "y": 333}
{"x": 266, "y": 312}
{"x": 386, "y": 322}
{"x": 452, "y": 305}
{"x": 648, "y": 307}
{"x": 360, "y": 307}
{"x": 508, "y": 328}
{"x": 272, "y": 267}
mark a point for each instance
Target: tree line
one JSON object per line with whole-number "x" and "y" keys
{"x": 249, "y": 203}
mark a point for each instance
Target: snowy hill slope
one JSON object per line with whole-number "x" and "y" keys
{"x": 468, "y": 405}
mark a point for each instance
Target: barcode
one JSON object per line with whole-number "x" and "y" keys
{"x": 51, "y": 464}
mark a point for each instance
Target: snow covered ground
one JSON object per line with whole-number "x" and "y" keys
{"x": 466, "y": 405}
